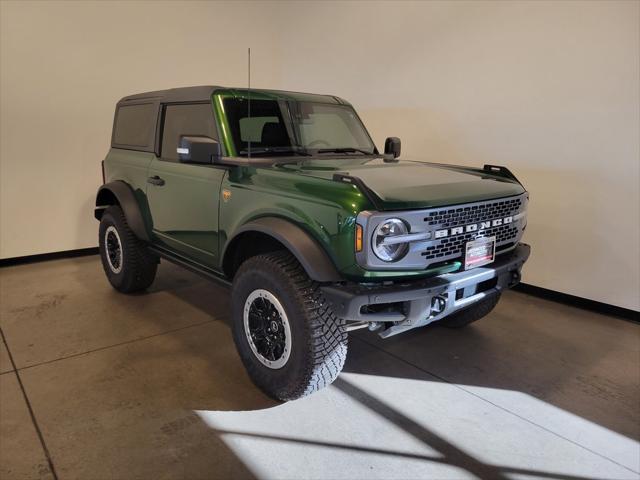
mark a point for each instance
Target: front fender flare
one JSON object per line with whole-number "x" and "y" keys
{"x": 126, "y": 198}
{"x": 313, "y": 258}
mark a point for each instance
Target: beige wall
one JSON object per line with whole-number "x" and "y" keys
{"x": 63, "y": 67}
{"x": 550, "y": 89}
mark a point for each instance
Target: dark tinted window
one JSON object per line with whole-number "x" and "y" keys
{"x": 135, "y": 125}
{"x": 180, "y": 120}
{"x": 265, "y": 127}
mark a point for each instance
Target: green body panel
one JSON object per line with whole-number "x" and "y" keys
{"x": 185, "y": 209}
{"x": 403, "y": 185}
{"x": 129, "y": 166}
{"x": 223, "y": 125}
{"x": 132, "y": 168}
{"x": 189, "y": 216}
{"x": 326, "y": 210}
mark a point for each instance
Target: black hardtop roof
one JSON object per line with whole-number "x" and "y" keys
{"x": 204, "y": 92}
{"x": 181, "y": 94}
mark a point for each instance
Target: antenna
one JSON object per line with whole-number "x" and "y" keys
{"x": 249, "y": 98}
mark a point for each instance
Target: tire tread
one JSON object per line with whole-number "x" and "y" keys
{"x": 326, "y": 342}
{"x": 140, "y": 264}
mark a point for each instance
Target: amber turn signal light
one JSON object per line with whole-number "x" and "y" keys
{"x": 358, "y": 238}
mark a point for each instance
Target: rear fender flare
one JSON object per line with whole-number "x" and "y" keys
{"x": 126, "y": 198}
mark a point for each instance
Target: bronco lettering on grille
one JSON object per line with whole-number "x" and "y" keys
{"x": 473, "y": 227}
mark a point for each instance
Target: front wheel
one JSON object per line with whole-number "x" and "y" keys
{"x": 288, "y": 338}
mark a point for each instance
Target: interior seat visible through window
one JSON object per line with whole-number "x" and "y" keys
{"x": 274, "y": 135}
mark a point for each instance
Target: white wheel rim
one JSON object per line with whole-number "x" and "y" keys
{"x": 115, "y": 258}
{"x": 260, "y": 299}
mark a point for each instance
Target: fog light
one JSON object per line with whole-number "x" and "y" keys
{"x": 438, "y": 304}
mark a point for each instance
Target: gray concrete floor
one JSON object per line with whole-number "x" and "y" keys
{"x": 150, "y": 387}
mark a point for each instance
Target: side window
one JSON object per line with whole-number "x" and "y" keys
{"x": 135, "y": 125}
{"x": 179, "y": 120}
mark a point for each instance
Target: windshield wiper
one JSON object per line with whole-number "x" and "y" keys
{"x": 344, "y": 150}
{"x": 263, "y": 150}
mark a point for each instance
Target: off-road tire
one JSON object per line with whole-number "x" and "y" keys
{"x": 318, "y": 337}
{"x": 470, "y": 314}
{"x": 139, "y": 265}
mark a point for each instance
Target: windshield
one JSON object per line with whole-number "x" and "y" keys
{"x": 277, "y": 128}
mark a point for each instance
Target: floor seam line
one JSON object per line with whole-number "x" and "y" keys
{"x": 127, "y": 342}
{"x": 497, "y": 406}
{"x": 30, "y": 409}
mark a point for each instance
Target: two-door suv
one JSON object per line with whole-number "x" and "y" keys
{"x": 284, "y": 197}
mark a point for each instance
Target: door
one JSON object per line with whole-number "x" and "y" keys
{"x": 183, "y": 197}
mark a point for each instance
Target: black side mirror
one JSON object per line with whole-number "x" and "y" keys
{"x": 198, "y": 149}
{"x": 392, "y": 146}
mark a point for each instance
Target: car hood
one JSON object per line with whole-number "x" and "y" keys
{"x": 410, "y": 184}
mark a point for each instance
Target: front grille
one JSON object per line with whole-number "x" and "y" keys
{"x": 453, "y": 217}
{"x": 455, "y": 245}
{"x": 452, "y": 247}
{"x": 431, "y": 247}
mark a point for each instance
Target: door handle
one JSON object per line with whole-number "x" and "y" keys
{"x": 155, "y": 180}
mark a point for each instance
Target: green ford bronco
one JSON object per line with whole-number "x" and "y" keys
{"x": 285, "y": 198}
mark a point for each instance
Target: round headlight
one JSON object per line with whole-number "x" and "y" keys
{"x": 384, "y": 246}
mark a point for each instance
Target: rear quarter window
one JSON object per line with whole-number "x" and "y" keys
{"x": 135, "y": 125}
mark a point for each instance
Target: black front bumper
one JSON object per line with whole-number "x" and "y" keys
{"x": 419, "y": 302}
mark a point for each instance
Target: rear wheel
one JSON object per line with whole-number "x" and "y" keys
{"x": 471, "y": 314}
{"x": 127, "y": 262}
{"x": 287, "y": 336}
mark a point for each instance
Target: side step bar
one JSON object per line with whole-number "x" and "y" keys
{"x": 189, "y": 265}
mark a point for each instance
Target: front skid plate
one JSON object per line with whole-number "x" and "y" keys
{"x": 347, "y": 300}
